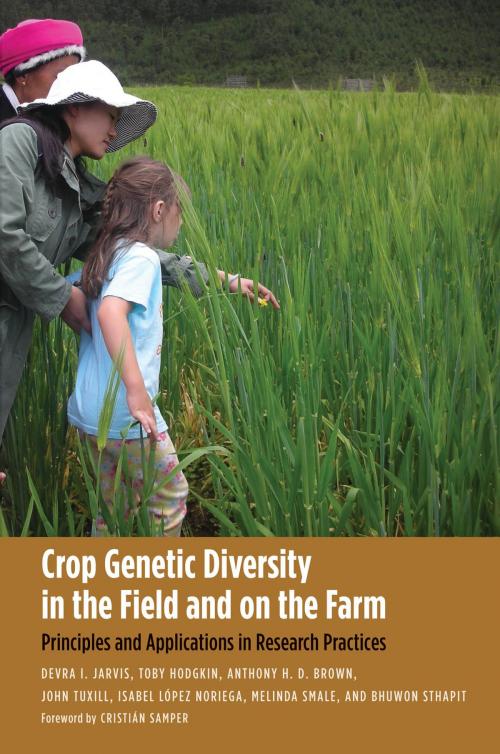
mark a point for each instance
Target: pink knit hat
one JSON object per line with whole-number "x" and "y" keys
{"x": 37, "y": 41}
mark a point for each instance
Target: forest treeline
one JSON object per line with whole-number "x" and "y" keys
{"x": 272, "y": 42}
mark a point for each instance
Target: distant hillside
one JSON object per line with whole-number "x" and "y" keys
{"x": 313, "y": 42}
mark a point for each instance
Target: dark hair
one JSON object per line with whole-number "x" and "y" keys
{"x": 126, "y": 213}
{"x": 51, "y": 132}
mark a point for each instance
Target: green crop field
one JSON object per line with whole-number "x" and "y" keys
{"x": 367, "y": 405}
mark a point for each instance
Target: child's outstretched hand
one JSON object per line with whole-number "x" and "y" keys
{"x": 141, "y": 408}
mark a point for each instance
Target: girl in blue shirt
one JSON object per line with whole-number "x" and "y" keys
{"x": 122, "y": 279}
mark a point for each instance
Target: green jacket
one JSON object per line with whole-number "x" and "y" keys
{"x": 40, "y": 228}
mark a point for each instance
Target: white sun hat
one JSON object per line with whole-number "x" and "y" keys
{"x": 94, "y": 82}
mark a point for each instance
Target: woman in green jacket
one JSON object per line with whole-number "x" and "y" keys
{"x": 50, "y": 208}
{"x": 47, "y": 202}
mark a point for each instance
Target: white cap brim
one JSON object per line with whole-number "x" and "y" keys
{"x": 136, "y": 115}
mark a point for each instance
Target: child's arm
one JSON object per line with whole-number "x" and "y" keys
{"x": 112, "y": 317}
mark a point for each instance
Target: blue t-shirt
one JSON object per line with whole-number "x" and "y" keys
{"x": 134, "y": 276}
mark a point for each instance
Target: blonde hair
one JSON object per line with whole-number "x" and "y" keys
{"x": 126, "y": 213}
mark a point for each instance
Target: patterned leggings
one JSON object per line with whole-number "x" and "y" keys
{"x": 167, "y": 507}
